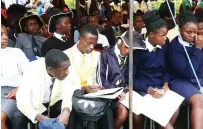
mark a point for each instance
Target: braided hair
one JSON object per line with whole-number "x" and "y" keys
{"x": 185, "y": 17}
{"x": 153, "y": 21}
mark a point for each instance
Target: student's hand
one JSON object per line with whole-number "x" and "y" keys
{"x": 64, "y": 116}
{"x": 154, "y": 93}
{"x": 92, "y": 88}
{"x": 41, "y": 117}
{"x": 12, "y": 94}
{"x": 165, "y": 87}
{"x": 121, "y": 96}
{"x": 199, "y": 41}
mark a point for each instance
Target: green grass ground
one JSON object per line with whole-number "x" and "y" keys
{"x": 155, "y": 4}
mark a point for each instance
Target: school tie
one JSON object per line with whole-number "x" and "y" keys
{"x": 116, "y": 29}
{"x": 83, "y": 72}
{"x": 35, "y": 47}
{"x": 117, "y": 32}
{"x": 122, "y": 59}
{"x": 154, "y": 49}
{"x": 64, "y": 38}
{"x": 51, "y": 86}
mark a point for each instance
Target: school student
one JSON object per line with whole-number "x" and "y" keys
{"x": 44, "y": 92}
{"x": 30, "y": 41}
{"x": 13, "y": 64}
{"x": 112, "y": 71}
{"x": 59, "y": 26}
{"x": 150, "y": 69}
{"x": 183, "y": 80}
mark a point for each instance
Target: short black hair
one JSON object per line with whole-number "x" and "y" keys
{"x": 54, "y": 58}
{"x": 139, "y": 13}
{"x": 88, "y": 29}
{"x": 199, "y": 16}
{"x": 16, "y": 9}
{"x": 164, "y": 10}
{"x": 91, "y": 15}
{"x": 114, "y": 12}
{"x": 59, "y": 18}
{"x": 186, "y": 17}
{"x": 93, "y": 10}
{"x": 153, "y": 21}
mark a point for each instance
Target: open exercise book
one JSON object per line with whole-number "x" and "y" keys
{"x": 106, "y": 93}
{"x": 160, "y": 110}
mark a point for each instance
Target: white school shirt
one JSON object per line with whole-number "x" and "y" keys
{"x": 13, "y": 63}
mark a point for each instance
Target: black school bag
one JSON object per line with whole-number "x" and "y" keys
{"x": 89, "y": 109}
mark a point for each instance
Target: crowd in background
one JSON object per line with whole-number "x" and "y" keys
{"x": 95, "y": 38}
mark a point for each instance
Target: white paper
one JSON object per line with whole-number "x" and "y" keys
{"x": 106, "y": 93}
{"x": 161, "y": 110}
{"x": 136, "y": 99}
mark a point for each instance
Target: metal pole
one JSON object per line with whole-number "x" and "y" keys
{"x": 78, "y": 12}
{"x": 175, "y": 3}
{"x": 131, "y": 64}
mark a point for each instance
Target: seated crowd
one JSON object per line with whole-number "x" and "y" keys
{"x": 46, "y": 59}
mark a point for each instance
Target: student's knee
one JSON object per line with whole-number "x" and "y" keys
{"x": 196, "y": 101}
{"x": 138, "y": 117}
{"x": 122, "y": 112}
{"x": 3, "y": 117}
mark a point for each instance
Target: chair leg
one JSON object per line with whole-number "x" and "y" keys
{"x": 36, "y": 127}
{"x": 145, "y": 122}
{"x": 151, "y": 124}
{"x": 188, "y": 117}
{"x": 29, "y": 125}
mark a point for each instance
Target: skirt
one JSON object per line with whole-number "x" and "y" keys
{"x": 8, "y": 106}
{"x": 186, "y": 88}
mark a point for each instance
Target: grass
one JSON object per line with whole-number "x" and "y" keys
{"x": 70, "y": 3}
{"x": 155, "y": 4}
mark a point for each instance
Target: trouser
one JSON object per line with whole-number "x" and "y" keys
{"x": 20, "y": 121}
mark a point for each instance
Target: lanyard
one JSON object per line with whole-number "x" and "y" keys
{"x": 74, "y": 64}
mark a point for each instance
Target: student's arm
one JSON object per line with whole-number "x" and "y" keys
{"x": 19, "y": 42}
{"x": 22, "y": 63}
{"x": 24, "y": 95}
{"x": 102, "y": 72}
{"x": 138, "y": 85}
{"x": 180, "y": 62}
{"x": 166, "y": 75}
{"x": 45, "y": 48}
{"x": 67, "y": 93}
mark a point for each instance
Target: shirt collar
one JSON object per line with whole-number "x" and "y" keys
{"x": 59, "y": 36}
{"x": 76, "y": 50}
{"x": 116, "y": 50}
{"x": 149, "y": 46}
{"x": 47, "y": 77}
{"x": 186, "y": 44}
{"x": 115, "y": 27}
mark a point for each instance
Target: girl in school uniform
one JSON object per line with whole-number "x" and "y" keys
{"x": 149, "y": 65}
{"x": 183, "y": 79}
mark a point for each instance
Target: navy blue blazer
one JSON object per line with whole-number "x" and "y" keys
{"x": 109, "y": 72}
{"x": 179, "y": 65}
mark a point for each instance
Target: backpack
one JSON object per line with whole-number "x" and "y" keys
{"x": 88, "y": 109}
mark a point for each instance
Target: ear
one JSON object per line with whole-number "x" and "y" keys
{"x": 50, "y": 70}
{"x": 57, "y": 26}
{"x": 151, "y": 34}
